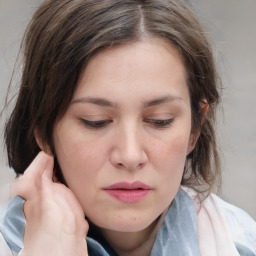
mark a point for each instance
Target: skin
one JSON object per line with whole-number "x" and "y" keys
{"x": 55, "y": 224}
{"x": 130, "y": 87}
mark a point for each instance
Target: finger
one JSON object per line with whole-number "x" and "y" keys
{"x": 73, "y": 218}
{"x": 48, "y": 172}
{"x": 65, "y": 198}
{"x": 45, "y": 172}
{"x": 39, "y": 165}
{"x": 30, "y": 183}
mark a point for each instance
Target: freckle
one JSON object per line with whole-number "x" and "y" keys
{"x": 134, "y": 219}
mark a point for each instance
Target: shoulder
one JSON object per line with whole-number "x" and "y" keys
{"x": 241, "y": 226}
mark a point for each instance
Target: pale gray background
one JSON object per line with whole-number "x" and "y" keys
{"x": 231, "y": 26}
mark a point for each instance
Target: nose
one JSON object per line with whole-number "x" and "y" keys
{"x": 129, "y": 150}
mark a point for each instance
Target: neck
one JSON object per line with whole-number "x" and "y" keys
{"x": 134, "y": 243}
{"x": 131, "y": 243}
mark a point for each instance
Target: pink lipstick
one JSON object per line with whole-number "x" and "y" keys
{"x": 128, "y": 192}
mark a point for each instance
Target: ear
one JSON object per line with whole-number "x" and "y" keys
{"x": 43, "y": 146}
{"x": 204, "y": 109}
{"x": 195, "y": 135}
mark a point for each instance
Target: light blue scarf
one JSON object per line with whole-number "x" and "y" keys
{"x": 177, "y": 235}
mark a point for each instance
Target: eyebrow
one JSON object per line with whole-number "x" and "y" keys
{"x": 106, "y": 103}
{"x": 161, "y": 100}
{"x": 97, "y": 101}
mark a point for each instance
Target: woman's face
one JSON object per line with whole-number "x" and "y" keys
{"x": 123, "y": 141}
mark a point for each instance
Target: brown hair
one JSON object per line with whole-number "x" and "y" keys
{"x": 61, "y": 38}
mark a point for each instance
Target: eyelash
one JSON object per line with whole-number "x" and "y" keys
{"x": 158, "y": 123}
{"x": 96, "y": 124}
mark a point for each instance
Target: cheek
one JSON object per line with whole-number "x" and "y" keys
{"x": 81, "y": 166}
{"x": 170, "y": 156}
{"x": 79, "y": 158}
{"x": 172, "y": 149}
{"x": 73, "y": 147}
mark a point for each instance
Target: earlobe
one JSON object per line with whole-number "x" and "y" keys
{"x": 204, "y": 109}
{"x": 192, "y": 141}
{"x": 43, "y": 146}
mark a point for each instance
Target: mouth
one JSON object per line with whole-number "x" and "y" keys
{"x": 128, "y": 192}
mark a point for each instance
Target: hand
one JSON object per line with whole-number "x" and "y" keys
{"x": 55, "y": 220}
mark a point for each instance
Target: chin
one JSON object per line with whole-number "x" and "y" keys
{"x": 126, "y": 224}
{"x": 130, "y": 227}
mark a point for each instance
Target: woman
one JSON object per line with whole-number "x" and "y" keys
{"x": 113, "y": 136}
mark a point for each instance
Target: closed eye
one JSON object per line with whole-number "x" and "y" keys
{"x": 160, "y": 123}
{"x": 96, "y": 124}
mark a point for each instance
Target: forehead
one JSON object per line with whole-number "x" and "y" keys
{"x": 152, "y": 66}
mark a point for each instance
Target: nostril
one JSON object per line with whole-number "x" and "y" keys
{"x": 130, "y": 167}
{"x": 132, "y": 159}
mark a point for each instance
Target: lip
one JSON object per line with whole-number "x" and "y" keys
{"x": 128, "y": 192}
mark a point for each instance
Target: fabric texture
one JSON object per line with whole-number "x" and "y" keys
{"x": 188, "y": 227}
{"x": 12, "y": 224}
